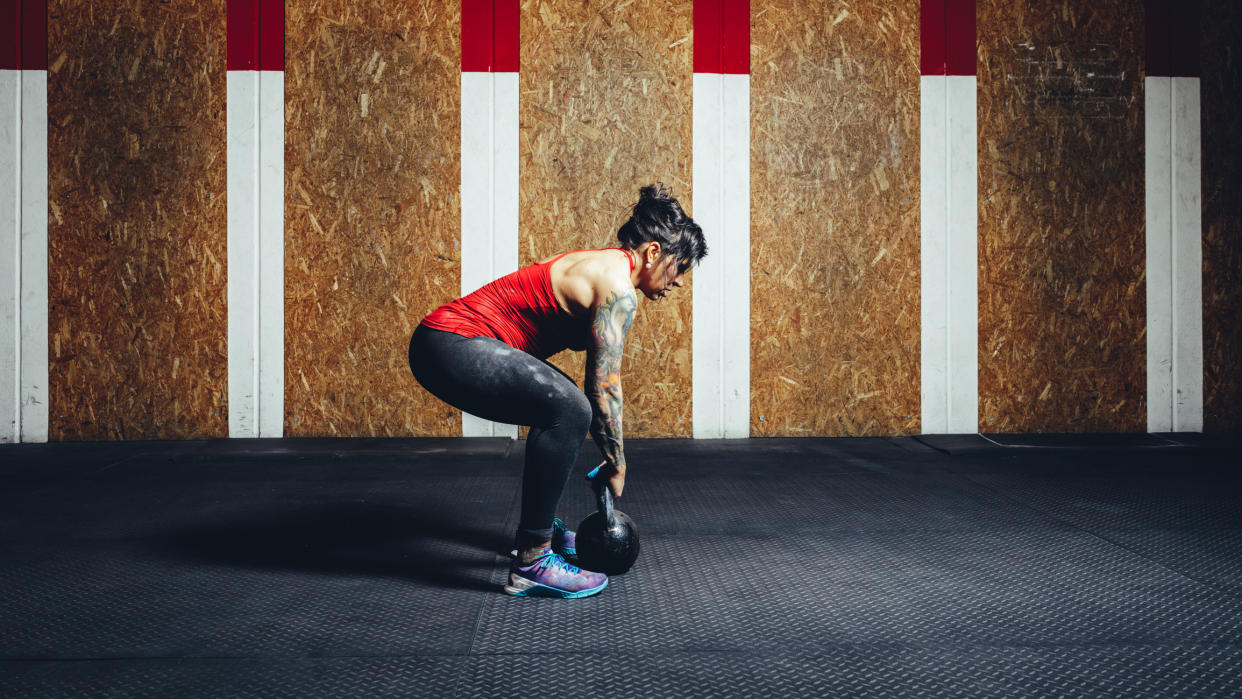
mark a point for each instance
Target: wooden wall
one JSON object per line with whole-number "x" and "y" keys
{"x": 834, "y": 218}
{"x": 605, "y": 109}
{"x": 372, "y": 210}
{"x": 1221, "y": 105}
{"x": 137, "y": 224}
{"x": 1061, "y": 225}
{"x": 136, "y": 168}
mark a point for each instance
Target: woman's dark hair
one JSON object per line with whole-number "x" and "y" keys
{"x": 658, "y": 217}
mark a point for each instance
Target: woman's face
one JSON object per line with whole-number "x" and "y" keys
{"x": 665, "y": 274}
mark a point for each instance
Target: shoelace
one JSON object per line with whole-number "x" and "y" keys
{"x": 555, "y": 561}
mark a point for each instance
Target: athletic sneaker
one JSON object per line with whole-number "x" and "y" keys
{"x": 564, "y": 541}
{"x": 551, "y": 576}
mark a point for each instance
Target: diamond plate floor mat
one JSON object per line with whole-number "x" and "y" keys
{"x": 855, "y": 671}
{"x": 813, "y": 567}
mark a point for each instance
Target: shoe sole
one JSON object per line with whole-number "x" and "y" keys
{"x": 521, "y": 587}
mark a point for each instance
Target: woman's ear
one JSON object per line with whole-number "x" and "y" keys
{"x": 652, "y": 253}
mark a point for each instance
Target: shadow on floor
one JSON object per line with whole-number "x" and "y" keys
{"x": 418, "y": 542}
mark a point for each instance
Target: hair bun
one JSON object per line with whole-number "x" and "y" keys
{"x": 656, "y": 191}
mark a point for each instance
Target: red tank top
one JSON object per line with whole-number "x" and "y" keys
{"x": 520, "y": 310}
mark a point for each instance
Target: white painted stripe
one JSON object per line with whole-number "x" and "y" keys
{"x": 1187, "y": 258}
{"x": 242, "y": 115}
{"x": 505, "y": 182}
{"x": 271, "y": 297}
{"x": 1174, "y": 255}
{"x": 24, "y": 301}
{"x": 255, "y": 113}
{"x": 34, "y": 297}
{"x": 949, "y": 255}
{"x": 1158, "y": 142}
{"x": 489, "y": 195}
{"x": 721, "y": 299}
{"x": 476, "y": 180}
{"x": 963, "y": 196}
{"x": 707, "y": 324}
{"x": 736, "y": 255}
{"x": 934, "y": 252}
{"x": 10, "y": 253}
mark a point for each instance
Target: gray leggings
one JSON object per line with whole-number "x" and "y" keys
{"x": 487, "y": 378}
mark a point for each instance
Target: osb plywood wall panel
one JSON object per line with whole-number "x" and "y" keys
{"x": 834, "y": 218}
{"x": 136, "y": 167}
{"x": 372, "y": 210}
{"x": 1061, "y": 228}
{"x": 605, "y": 109}
{"x": 1220, "y": 86}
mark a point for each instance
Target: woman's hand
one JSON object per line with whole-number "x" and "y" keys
{"x": 616, "y": 481}
{"x": 615, "y": 477}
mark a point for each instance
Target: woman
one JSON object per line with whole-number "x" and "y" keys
{"x": 485, "y": 354}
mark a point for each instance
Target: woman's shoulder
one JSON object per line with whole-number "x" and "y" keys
{"x": 590, "y": 254}
{"x": 602, "y": 263}
{"x": 582, "y": 274}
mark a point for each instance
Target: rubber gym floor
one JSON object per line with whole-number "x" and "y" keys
{"x": 925, "y": 566}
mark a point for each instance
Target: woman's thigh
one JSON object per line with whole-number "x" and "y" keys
{"x": 485, "y": 377}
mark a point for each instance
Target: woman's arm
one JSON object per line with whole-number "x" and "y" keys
{"x": 609, "y": 327}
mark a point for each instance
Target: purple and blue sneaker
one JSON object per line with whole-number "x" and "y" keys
{"x": 550, "y": 576}
{"x": 564, "y": 541}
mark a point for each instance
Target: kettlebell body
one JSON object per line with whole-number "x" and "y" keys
{"x": 607, "y": 539}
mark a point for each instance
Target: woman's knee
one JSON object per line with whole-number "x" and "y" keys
{"x": 578, "y": 412}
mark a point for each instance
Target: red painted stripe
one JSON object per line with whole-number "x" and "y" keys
{"x": 959, "y": 23}
{"x": 708, "y": 36}
{"x": 490, "y": 36}
{"x": 505, "y": 34}
{"x": 1172, "y": 43}
{"x": 271, "y": 35}
{"x": 932, "y": 57}
{"x": 1185, "y": 41}
{"x": 722, "y": 36}
{"x": 947, "y": 37}
{"x": 476, "y": 35}
{"x": 242, "y": 23}
{"x": 736, "y": 50}
{"x": 31, "y": 42}
{"x": 1156, "y": 49}
{"x": 10, "y": 35}
{"x": 256, "y": 35}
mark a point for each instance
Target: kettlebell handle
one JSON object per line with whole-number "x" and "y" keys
{"x": 603, "y": 494}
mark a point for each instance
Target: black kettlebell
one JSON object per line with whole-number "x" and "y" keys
{"x": 607, "y": 538}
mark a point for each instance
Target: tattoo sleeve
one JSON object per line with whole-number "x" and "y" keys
{"x": 603, "y": 372}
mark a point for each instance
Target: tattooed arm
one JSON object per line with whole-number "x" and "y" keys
{"x": 609, "y": 325}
